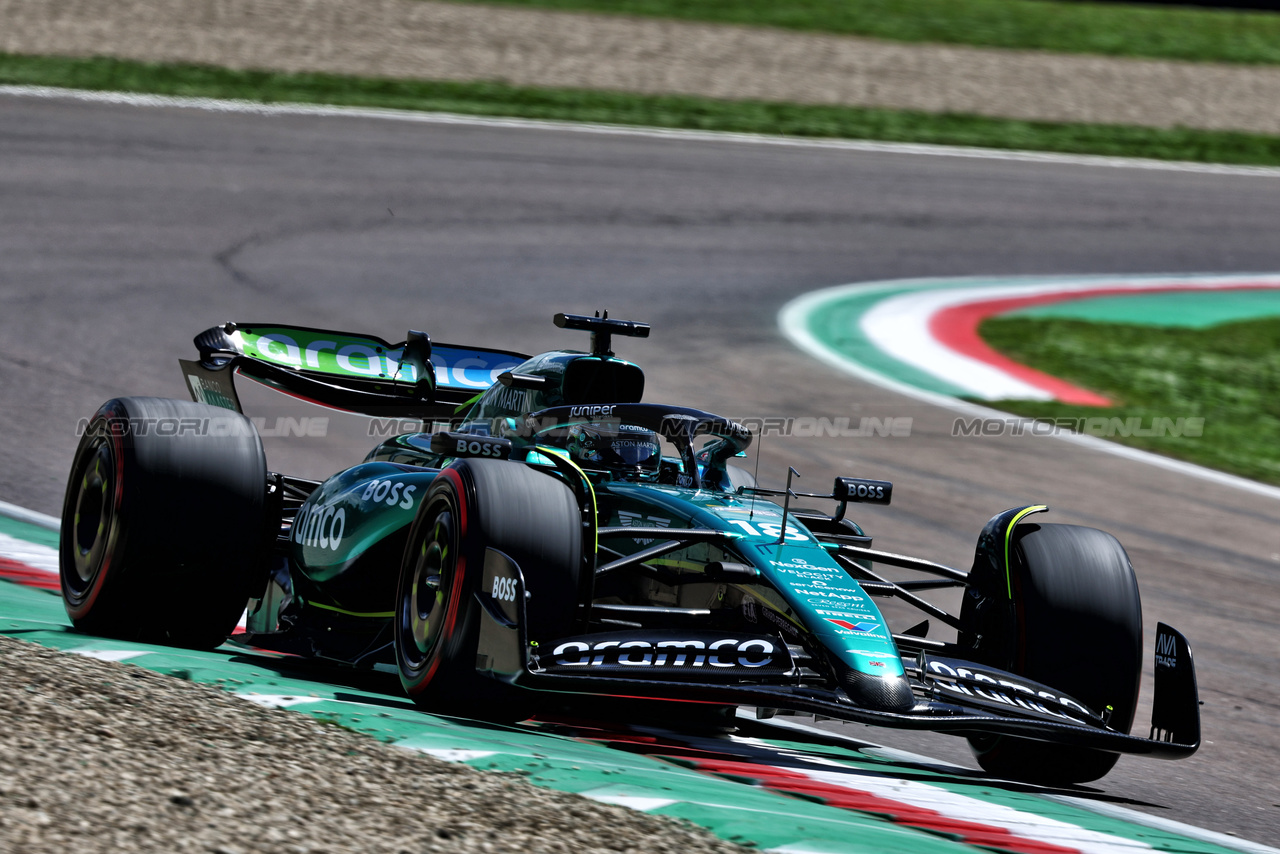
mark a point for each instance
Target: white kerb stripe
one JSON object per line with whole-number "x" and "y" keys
{"x": 32, "y": 517}
{"x": 33, "y": 555}
{"x": 899, "y": 327}
{"x": 962, "y": 807}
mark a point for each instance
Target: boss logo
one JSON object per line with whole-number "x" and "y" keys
{"x": 390, "y": 493}
{"x": 865, "y": 491}
{"x": 470, "y": 445}
{"x": 504, "y": 589}
{"x": 477, "y": 448}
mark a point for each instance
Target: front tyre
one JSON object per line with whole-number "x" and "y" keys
{"x": 163, "y": 523}
{"x": 473, "y": 505}
{"x": 1078, "y": 628}
{"x": 436, "y": 616}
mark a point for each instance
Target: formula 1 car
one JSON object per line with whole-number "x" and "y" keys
{"x": 540, "y": 533}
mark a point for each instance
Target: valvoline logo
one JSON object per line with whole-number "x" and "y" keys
{"x": 860, "y": 626}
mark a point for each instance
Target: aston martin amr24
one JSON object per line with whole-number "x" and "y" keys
{"x": 540, "y": 533}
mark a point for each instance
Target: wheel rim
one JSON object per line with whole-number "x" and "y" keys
{"x": 93, "y": 520}
{"x": 424, "y": 592}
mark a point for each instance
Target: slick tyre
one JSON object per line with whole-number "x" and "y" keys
{"x": 474, "y": 505}
{"x": 163, "y": 525}
{"x": 1078, "y": 628}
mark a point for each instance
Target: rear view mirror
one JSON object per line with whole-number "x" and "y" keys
{"x": 862, "y": 491}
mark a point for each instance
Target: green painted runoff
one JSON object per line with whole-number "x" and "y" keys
{"x": 1189, "y": 309}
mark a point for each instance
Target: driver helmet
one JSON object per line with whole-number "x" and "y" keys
{"x": 625, "y": 450}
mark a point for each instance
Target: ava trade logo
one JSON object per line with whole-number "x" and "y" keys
{"x": 861, "y": 626}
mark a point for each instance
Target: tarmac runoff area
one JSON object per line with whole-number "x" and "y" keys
{"x": 770, "y": 786}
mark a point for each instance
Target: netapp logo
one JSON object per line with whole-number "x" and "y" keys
{"x": 728, "y": 652}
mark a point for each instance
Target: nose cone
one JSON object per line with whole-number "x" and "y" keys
{"x": 889, "y": 693}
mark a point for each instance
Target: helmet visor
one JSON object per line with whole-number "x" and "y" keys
{"x": 634, "y": 451}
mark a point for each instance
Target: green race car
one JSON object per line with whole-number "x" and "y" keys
{"x": 539, "y": 534}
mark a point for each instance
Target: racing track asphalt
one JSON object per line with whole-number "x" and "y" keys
{"x": 125, "y": 230}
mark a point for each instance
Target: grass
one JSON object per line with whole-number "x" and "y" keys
{"x": 493, "y": 99}
{"x": 1114, "y": 29}
{"x": 1229, "y": 375}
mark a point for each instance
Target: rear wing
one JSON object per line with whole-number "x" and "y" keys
{"x": 343, "y": 370}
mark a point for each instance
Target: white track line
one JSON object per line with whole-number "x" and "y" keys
{"x": 31, "y": 517}
{"x": 919, "y": 149}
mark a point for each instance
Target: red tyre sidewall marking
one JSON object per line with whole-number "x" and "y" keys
{"x": 460, "y": 570}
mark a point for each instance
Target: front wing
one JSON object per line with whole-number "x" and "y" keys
{"x": 949, "y": 697}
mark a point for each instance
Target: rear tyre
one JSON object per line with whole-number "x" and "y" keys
{"x": 1077, "y": 628}
{"x": 163, "y": 524}
{"x": 474, "y": 505}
